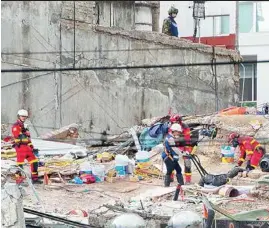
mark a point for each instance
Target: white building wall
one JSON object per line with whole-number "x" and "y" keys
{"x": 253, "y": 43}
{"x": 258, "y": 44}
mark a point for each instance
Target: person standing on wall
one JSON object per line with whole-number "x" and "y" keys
{"x": 171, "y": 154}
{"x": 23, "y": 145}
{"x": 169, "y": 24}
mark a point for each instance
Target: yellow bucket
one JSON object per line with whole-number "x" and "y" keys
{"x": 227, "y": 160}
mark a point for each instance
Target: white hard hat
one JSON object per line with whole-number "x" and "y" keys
{"x": 176, "y": 127}
{"x": 128, "y": 220}
{"x": 23, "y": 112}
{"x": 185, "y": 219}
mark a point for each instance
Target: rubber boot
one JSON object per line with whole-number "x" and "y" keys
{"x": 180, "y": 181}
{"x": 167, "y": 180}
{"x": 37, "y": 181}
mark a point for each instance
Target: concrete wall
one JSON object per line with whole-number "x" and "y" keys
{"x": 100, "y": 100}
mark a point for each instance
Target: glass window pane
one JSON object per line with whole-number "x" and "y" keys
{"x": 225, "y": 25}
{"x": 245, "y": 17}
{"x": 249, "y": 71}
{"x": 262, "y": 16}
{"x": 247, "y": 89}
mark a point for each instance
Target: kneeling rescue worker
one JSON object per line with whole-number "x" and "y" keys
{"x": 250, "y": 150}
{"x": 23, "y": 145}
{"x": 171, "y": 154}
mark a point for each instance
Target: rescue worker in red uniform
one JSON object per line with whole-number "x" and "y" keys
{"x": 23, "y": 145}
{"x": 187, "y": 149}
{"x": 250, "y": 150}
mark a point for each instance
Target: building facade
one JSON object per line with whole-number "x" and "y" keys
{"x": 219, "y": 28}
{"x": 45, "y": 35}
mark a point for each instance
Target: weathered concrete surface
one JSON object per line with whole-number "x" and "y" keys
{"x": 111, "y": 100}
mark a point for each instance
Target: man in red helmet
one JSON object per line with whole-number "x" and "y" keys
{"x": 250, "y": 150}
{"x": 23, "y": 145}
{"x": 188, "y": 149}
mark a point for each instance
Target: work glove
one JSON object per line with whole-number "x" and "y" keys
{"x": 185, "y": 154}
{"x": 35, "y": 152}
{"x": 176, "y": 158}
{"x": 239, "y": 163}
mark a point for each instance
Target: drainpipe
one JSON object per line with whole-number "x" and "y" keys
{"x": 155, "y": 15}
{"x": 237, "y": 26}
{"x": 243, "y": 89}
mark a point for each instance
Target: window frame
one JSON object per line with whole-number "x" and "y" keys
{"x": 253, "y": 82}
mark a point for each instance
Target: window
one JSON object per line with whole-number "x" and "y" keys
{"x": 225, "y": 25}
{"x": 245, "y": 17}
{"x": 248, "y": 81}
{"x": 216, "y": 25}
{"x": 253, "y": 17}
{"x": 262, "y": 16}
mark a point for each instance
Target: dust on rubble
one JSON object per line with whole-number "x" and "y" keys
{"x": 93, "y": 196}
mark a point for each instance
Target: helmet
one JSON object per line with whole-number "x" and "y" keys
{"x": 23, "y": 112}
{"x": 176, "y": 127}
{"x": 128, "y": 220}
{"x": 172, "y": 10}
{"x": 232, "y": 136}
{"x": 175, "y": 118}
{"x": 185, "y": 219}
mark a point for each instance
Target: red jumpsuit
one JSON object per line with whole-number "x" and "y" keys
{"x": 250, "y": 149}
{"x": 187, "y": 162}
{"x": 24, "y": 147}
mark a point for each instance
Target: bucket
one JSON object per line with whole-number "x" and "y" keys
{"x": 121, "y": 160}
{"x": 99, "y": 172}
{"x": 121, "y": 170}
{"x": 227, "y": 154}
{"x": 85, "y": 167}
{"x": 121, "y": 165}
{"x": 142, "y": 156}
{"x": 228, "y": 191}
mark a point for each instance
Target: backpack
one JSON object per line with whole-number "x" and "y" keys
{"x": 158, "y": 129}
{"x": 147, "y": 142}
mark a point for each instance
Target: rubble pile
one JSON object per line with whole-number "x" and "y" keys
{"x": 123, "y": 162}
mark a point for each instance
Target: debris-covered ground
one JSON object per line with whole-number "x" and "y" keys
{"x": 140, "y": 189}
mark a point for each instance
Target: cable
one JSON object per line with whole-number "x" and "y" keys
{"x": 37, "y": 76}
{"x": 55, "y": 218}
{"x": 128, "y": 67}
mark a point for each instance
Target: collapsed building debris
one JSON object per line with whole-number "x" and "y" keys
{"x": 125, "y": 163}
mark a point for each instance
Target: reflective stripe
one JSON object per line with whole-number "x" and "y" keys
{"x": 254, "y": 166}
{"x": 20, "y": 163}
{"x": 249, "y": 152}
{"x": 187, "y": 174}
{"x": 252, "y": 141}
{"x": 35, "y": 160}
{"x": 241, "y": 159}
{"x": 259, "y": 145}
{"x": 34, "y": 172}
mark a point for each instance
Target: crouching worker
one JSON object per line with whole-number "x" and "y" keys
{"x": 171, "y": 155}
{"x": 251, "y": 150}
